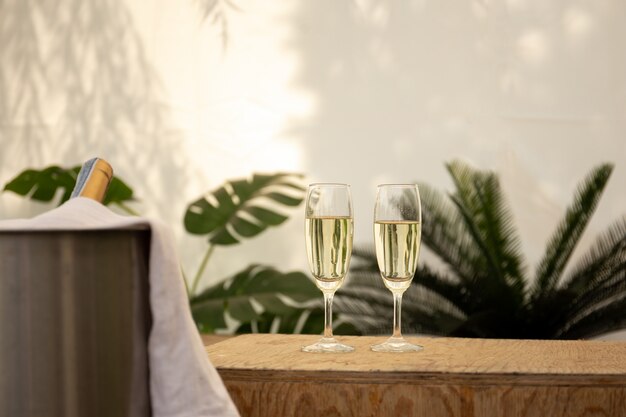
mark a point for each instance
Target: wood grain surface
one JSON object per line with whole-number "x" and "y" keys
{"x": 210, "y": 339}
{"x": 267, "y": 375}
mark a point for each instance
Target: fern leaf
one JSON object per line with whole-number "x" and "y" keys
{"x": 601, "y": 275}
{"x": 606, "y": 255}
{"x": 445, "y": 233}
{"x": 488, "y": 218}
{"x": 568, "y": 232}
{"x": 606, "y": 318}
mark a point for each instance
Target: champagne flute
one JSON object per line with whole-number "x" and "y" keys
{"x": 328, "y": 230}
{"x": 397, "y": 233}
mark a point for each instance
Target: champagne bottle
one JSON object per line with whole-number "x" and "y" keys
{"x": 93, "y": 180}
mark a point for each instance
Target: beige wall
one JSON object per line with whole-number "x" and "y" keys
{"x": 354, "y": 91}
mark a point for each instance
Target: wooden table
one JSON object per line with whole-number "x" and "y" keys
{"x": 267, "y": 375}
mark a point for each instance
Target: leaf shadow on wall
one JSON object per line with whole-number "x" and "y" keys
{"x": 76, "y": 82}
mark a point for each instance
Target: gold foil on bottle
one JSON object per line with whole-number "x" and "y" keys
{"x": 98, "y": 182}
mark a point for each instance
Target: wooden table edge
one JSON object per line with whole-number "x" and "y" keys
{"x": 415, "y": 378}
{"x": 412, "y": 378}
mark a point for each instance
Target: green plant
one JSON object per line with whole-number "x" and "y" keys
{"x": 485, "y": 289}
{"x": 44, "y": 185}
{"x": 239, "y": 210}
{"x": 259, "y": 298}
{"x": 256, "y": 294}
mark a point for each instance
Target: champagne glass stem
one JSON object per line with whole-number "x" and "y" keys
{"x": 328, "y": 314}
{"x": 397, "y": 314}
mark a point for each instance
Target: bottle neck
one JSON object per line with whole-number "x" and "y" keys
{"x": 93, "y": 180}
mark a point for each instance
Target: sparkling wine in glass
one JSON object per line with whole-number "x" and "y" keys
{"x": 328, "y": 232}
{"x": 397, "y": 235}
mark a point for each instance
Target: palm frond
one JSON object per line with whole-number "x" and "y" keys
{"x": 436, "y": 311}
{"x": 610, "y": 284}
{"x": 482, "y": 290}
{"x": 367, "y": 308}
{"x": 604, "y": 319}
{"x": 568, "y": 232}
{"x": 450, "y": 291}
{"x": 599, "y": 278}
{"x": 544, "y": 317}
{"x": 488, "y": 218}
{"x": 484, "y": 324}
{"x": 607, "y": 254}
{"x": 363, "y": 259}
{"x": 602, "y": 281}
{"x": 372, "y": 313}
{"x": 600, "y": 295}
{"x": 364, "y": 272}
{"x": 365, "y": 302}
{"x": 445, "y": 233}
{"x": 368, "y": 305}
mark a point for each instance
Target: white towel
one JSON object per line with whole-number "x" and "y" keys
{"x": 183, "y": 383}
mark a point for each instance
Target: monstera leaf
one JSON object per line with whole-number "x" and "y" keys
{"x": 253, "y": 295}
{"x": 43, "y": 185}
{"x": 243, "y": 208}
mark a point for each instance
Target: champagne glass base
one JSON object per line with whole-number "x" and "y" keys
{"x": 396, "y": 344}
{"x": 328, "y": 345}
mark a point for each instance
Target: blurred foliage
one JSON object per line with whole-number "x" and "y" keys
{"x": 249, "y": 293}
{"x": 216, "y": 11}
{"x": 261, "y": 299}
{"x": 44, "y": 185}
{"x": 486, "y": 289}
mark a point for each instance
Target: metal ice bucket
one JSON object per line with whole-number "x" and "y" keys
{"x": 74, "y": 323}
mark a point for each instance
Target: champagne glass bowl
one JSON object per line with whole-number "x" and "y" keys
{"x": 397, "y": 236}
{"x": 328, "y": 235}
